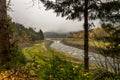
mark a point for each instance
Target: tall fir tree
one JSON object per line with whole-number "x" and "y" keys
{"x": 41, "y": 34}
{"x": 79, "y": 9}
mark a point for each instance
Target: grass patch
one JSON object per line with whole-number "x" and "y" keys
{"x": 41, "y": 54}
{"x": 42, "y": 50}
{"x": 44, "y": 63}
{"x": 91, "y": 42}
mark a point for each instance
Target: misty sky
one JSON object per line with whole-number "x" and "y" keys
{"x": 38, "y": 18}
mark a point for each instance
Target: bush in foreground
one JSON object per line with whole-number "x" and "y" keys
{"x": 61, "y": 69}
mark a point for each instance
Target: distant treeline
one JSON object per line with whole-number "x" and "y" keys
{"x": 93, "y": 34}
{"x": 23, "y": 34}
{"x": 54, "y": 35}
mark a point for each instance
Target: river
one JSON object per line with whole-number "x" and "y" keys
{"x": 79, "y": 53}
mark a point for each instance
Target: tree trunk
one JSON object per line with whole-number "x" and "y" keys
{"x": 86, "y": 58}
{"x": 4, "y": 33}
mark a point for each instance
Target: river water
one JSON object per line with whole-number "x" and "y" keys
{"x": 79, "y": 53}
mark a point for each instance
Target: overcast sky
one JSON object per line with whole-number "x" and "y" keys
{"x": 38, "y": 18}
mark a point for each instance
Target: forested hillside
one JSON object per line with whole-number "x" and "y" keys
{"x": 93, "y": 34}
{"x": 22, "y": 34}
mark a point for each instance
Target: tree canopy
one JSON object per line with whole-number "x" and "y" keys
{"x": 88, "y": 10}
{"x": 74, "y": 9}
{"x": 23, "y": 34}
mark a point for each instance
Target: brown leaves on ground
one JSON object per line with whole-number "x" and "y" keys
{"x": 15, "y": 75}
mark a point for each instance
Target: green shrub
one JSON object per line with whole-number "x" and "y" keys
{"x": 16, "y": 58}
{"x": 61, "y": 69}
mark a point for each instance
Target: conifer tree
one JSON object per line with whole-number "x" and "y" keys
{"x": 41, "y": 34}
{"x": 79, "y": 9}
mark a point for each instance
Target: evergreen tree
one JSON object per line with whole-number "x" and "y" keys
{"x": 113, "y": 38}
{"x": 109, "y": 14}
{"x": 77, "y": 9}
{"x": 112, "y": 49}
{"x": 41, "y": 34}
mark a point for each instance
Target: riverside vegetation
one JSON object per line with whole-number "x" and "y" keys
{"x": 40, "y": 62}
{"x": 44, "y": 63}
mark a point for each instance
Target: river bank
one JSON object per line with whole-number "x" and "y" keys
{"x": 91, "y": 48}
{"x": 79, "y": 53}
